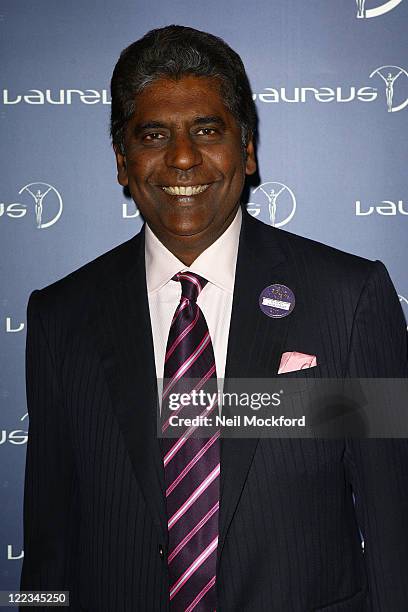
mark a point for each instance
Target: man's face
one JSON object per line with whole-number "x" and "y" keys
{"x": 184, "y": 162}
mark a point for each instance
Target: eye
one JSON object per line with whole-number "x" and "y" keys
{"x": 153, "y": 136}
{"x": 207, "y": 131}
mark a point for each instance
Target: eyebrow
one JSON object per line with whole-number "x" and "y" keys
{"x": 155, "y": 125}
{"x": 149, "y": 125}
{"x": 211, "y": 119}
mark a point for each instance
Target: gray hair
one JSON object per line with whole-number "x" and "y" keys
{"x": 172, "y": 52}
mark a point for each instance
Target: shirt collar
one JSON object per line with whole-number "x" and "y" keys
{"x": 217, "y": 263}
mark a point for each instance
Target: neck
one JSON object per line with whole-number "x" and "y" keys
{"x": 188, "y": 248}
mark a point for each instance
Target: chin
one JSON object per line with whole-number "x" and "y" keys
{"x": 185, "y": 226}
{"x": 187, "y": 230}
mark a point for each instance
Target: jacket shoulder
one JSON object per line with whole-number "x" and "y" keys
{"x": 308, "y": 252}
{"x": 326, "y": 270}
{"x": 80, "y": 289}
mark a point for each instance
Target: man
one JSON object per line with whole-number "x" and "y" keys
{"x": 239, "y": 524}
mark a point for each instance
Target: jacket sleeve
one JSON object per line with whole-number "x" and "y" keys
{"x": 378, "y": 468}
{"x": 51, "y": 517}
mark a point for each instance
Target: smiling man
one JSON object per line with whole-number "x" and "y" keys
{"x": 184, "y": 162}
{"x": 125, "y": 520}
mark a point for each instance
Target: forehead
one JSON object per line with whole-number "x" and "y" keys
{"x": 181, "y": 99}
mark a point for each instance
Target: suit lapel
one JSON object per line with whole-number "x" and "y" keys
{"x": 254, "y": 347}
{"x": 122, "y": 331}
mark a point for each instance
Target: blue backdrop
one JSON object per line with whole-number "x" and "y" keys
{"x": 331, "y": 84}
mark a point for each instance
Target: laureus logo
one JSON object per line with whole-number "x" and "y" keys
{"x": 16, "y": 436}
{"x": 389, "y": 74}
{"x": 39, "y": 192}
{"x": 277, "y": 198}
{"x": 384, "y": 7}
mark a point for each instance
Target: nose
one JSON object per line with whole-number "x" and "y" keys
{"x": 183, "y": 153}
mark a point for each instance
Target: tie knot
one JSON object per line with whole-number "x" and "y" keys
{"x": 191, "y": 284}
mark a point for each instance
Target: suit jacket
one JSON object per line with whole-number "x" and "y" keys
{"x": 94, "y": 505}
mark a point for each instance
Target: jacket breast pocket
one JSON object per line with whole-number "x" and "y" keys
{"x": 356, "y": 603}
{"x": 313, "y": 372}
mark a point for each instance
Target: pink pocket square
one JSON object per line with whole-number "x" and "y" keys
{"x": 292, "y": 361}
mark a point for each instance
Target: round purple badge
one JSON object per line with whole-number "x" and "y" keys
{"x": 277, "y": 301}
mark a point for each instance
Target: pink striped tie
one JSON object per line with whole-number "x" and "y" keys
{"x": 191, "y": 464}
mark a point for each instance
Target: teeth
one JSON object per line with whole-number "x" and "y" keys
{"x": 188, "y": 191}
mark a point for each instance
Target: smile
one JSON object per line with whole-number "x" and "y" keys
{"x": 185, "y": 190}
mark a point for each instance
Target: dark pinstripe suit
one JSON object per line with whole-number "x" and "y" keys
{"x": 94, "y": 514}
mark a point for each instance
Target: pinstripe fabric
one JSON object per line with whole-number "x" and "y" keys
{"x": 94, "y": 503}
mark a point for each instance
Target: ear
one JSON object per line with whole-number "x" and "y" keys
{"x": 121, "y": 166}
{"x": 250, "y": 161}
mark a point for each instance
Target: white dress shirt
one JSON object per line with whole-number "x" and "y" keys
{"x": 216, "y": 264}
